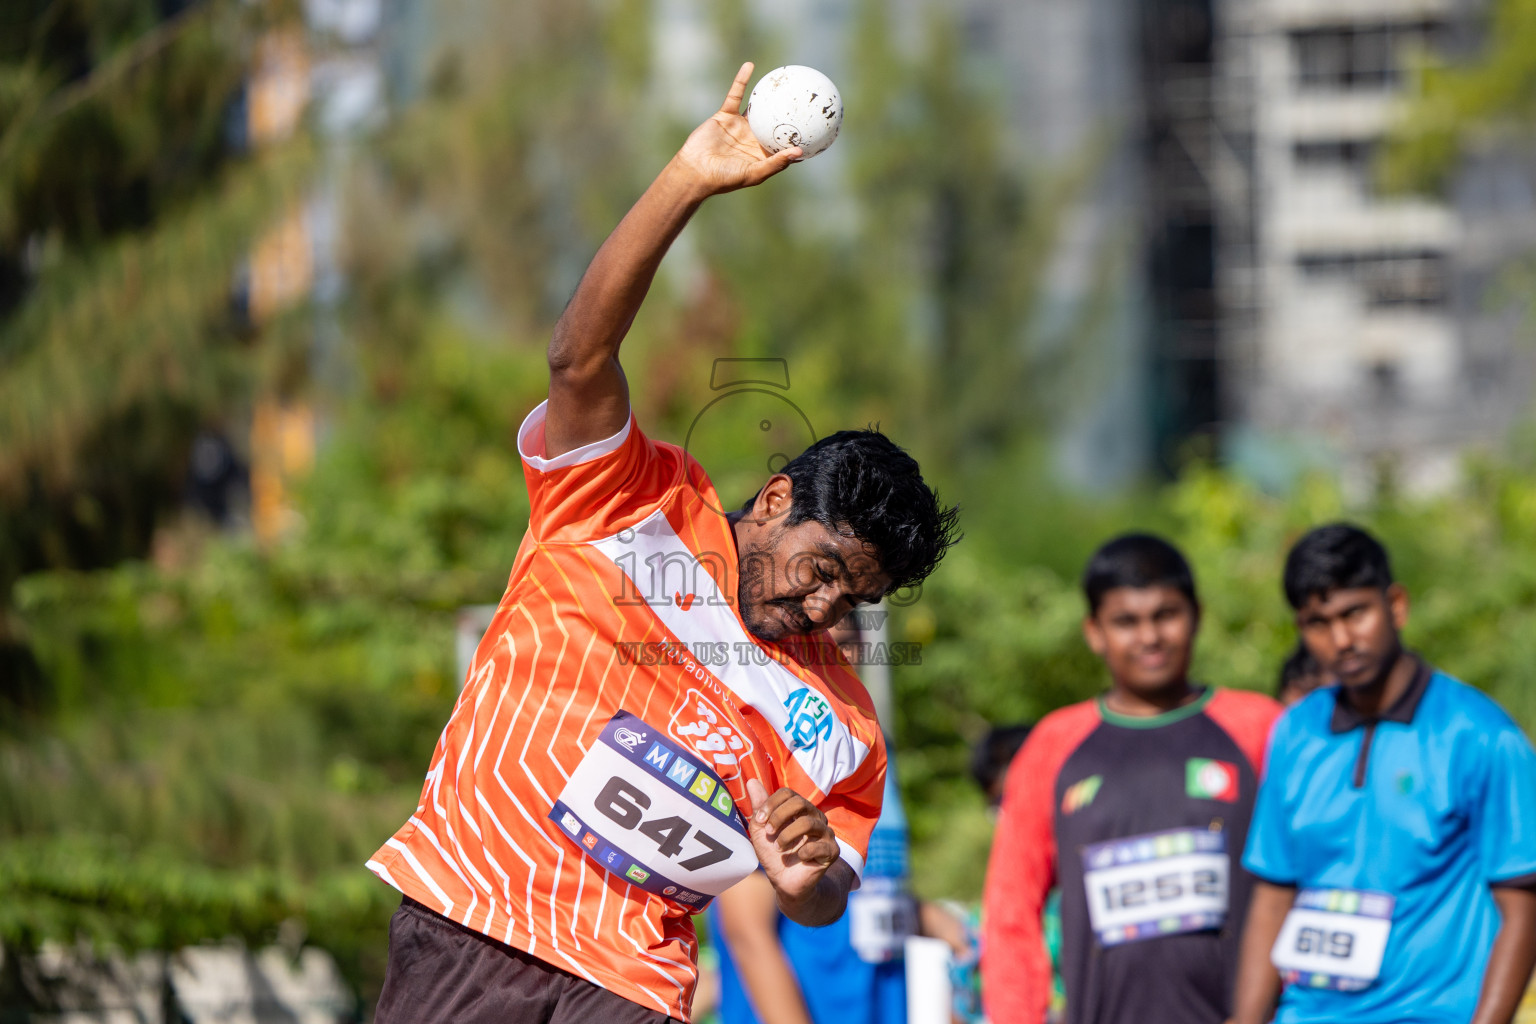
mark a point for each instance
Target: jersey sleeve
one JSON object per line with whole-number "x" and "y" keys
{"x": 595, "y": 490}
{"x": 853, "y": 806}
{"x": 1268, "y": 854}
{"x": 1506, "y": 809}
{"x": 1248, "y": 718}
{"x": 1015, "y": 964}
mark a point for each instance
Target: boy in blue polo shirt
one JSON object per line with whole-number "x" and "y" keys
{"x": 1394, "y": 838}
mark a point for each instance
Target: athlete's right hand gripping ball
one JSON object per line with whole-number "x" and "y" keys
{"x": 795, "y": 106}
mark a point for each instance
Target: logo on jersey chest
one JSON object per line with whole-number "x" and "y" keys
{"x": 699, "y": 723}
{"x": 1080, "y": 794}
{"x": 1208, "y": 779}
{"x": 810, "y": 719}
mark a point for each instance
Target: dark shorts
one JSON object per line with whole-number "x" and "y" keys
{"x": 441, "y": 972}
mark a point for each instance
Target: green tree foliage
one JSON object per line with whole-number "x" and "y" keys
{"x": 1458, "y": 105}
{"x": 229, "y": 741}
{"x": 123, "y": 218}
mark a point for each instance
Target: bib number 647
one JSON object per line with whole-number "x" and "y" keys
{"x": 625, "y": 805}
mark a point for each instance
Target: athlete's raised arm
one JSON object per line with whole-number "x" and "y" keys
{"x": 588, "y": 396}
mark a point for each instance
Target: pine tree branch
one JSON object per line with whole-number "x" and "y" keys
{"x": 103, "y": 75}
{"x": 136, "y": 322}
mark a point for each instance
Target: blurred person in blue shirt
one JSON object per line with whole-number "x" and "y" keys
{"x": 1394, "y": 838}
{"x": 774, "y": 971}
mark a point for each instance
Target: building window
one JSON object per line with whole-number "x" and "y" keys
{"x": 1353, "y": 155}
{"x": 1386, "y": 382}
{"x": 982, "y": 31}
{"x": 1359, "y": 57}
{"x": 1388, "y": 279}
{"x": 1352, "y": 159}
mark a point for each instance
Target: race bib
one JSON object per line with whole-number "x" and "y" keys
{"x": 650, "y": 813}
{"x": 1334, "y": 938}
{"x": 1163, "y": 883}
{"x": 881, "y": 914}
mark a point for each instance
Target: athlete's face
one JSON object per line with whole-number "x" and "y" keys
{"x": 801, "y": 578}
{"x": 1354, "y": 633}
{"x": 1146, "y": 636}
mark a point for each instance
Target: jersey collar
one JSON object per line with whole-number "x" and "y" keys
{"x": 1177, "y": 714}
{"x": 1346, "y": 717}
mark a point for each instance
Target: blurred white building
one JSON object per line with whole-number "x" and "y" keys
{"x": 1361, "y": 329}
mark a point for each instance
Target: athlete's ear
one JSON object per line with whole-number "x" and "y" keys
{"x": 1397, "y": 601}
{"x": 774, "y": 499}
{"x": 1093, "y": 633}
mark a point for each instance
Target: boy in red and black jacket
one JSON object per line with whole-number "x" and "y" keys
{"x": 1136, "y": 804}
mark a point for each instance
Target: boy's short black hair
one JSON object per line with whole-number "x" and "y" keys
{"x": 1338, "y": 556}
{"x": 1298, "y": 665}
{"x": 994, "y": 752}
{"x": 1137, "y": 560}
{"x": 862, "y": 482}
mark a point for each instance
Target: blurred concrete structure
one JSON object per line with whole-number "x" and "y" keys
{"x": 1265, "y": 302}
{"x": 1358, "y": 328}
{"x": 1069, "y": 76}
{"x": 208, "y": 984}
{"x": 341, "y": 69}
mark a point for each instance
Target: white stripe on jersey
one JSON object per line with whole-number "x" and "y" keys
{"x": 644, "y": 554}
{"x": 421, "y": 873}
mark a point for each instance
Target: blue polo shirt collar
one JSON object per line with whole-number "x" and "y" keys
{"x": 1347, "y": 717}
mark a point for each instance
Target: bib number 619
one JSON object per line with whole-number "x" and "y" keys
{"x": 625, "y": 805}
{"x": 1340, "y": 945}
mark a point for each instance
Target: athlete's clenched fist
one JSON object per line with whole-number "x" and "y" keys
{"x": 796, "y": 847}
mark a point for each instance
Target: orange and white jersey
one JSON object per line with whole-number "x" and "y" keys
{"x": 582, "y": 800}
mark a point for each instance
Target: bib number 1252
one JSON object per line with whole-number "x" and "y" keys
{"x": 1164, "y": 888}
{"x": 1162, "y": 883}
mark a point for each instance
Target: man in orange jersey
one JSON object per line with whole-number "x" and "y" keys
{"x": 656, "y": 709}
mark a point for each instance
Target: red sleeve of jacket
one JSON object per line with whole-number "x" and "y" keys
{"x": 1248, "y": 718}
{"x": 1015, "y": 966}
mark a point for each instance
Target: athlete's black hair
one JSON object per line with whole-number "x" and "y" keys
{"x": 1297, "y": 666}
{"x": 1136, "y": 560}
{"x": 1339, "y": 556}
{"x": 994, "y": 752}
{"x": 861, "y": 482}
